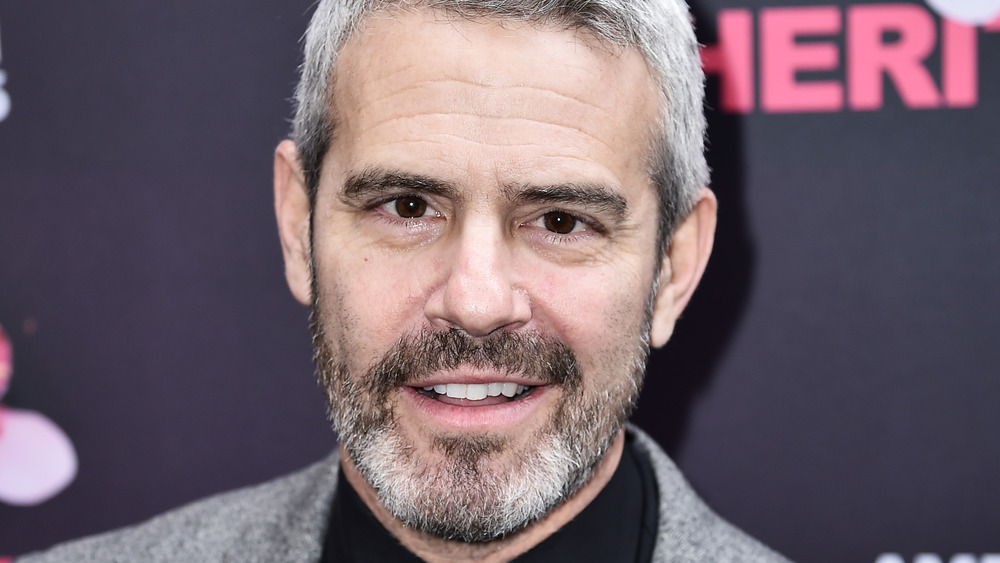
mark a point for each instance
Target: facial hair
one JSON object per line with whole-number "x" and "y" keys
{"x": 478, "y": 487}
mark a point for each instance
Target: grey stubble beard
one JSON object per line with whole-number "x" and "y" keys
{"x": 472, "y": 495}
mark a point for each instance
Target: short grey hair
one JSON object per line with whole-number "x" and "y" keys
{"x": 660, "y": 29}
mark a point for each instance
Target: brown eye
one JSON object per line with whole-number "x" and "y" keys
{"x": 559, "y": 222}
{"x": 409, "y": 207}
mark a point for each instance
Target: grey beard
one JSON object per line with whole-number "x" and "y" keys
{"x": 472, "y": 496}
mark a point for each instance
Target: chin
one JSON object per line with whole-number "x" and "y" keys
{"x": 476, "y": 487}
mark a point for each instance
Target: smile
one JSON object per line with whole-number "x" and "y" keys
{"x": 477, "y": 402}
{"x": 476, "y": 391}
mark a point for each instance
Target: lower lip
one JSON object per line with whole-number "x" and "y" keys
{"x": 475, "y": 417}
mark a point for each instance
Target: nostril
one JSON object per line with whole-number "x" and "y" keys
{"x": 479, "y": 306}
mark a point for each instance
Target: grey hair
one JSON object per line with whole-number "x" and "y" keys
{"x": 660, "y": 29}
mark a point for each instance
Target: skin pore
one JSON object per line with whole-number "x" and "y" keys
{"x": 476, "y": 185}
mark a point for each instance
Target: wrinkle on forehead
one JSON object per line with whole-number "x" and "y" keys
{"x": 484, "y": 133}
{"x": 486, "y": 94}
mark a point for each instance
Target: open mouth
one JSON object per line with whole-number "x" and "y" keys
{"x": 503, "y": 391}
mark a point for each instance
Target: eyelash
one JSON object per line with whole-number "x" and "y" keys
{"x": 432, "y": 212}
{"x": 590, "y": 228}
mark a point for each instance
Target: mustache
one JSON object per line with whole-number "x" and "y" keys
{"x": 545, "y": 359}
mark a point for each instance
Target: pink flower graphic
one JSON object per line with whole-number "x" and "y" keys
{"x": 37, "y": 459}
{"x": 971, "y": 12}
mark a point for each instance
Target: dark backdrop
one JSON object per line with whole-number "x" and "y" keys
{"x": 832, "y": 388}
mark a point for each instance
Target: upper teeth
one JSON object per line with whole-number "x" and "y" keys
{"x": 477, "y": 391}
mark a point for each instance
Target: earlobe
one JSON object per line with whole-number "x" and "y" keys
{"x": 683, "y": 266}
{"x": 291, "y": 207}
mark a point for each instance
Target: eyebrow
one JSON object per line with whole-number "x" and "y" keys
{"x": 376, "y": 180}
{"x": 598, "y": 197}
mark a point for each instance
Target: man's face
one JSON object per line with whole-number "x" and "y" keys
{"x": 484, "y": 227}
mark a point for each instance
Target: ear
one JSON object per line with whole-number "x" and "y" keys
{"x": 291, "y": 206}
{"x": 683, "y": 265}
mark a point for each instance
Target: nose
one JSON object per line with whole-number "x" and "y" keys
{"x": 478, "y": 293}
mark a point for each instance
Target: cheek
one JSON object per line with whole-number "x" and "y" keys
{"x": 370, "y": 299}
{"x": 596, "y": 312}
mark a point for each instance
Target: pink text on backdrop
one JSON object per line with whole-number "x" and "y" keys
{"x": 913, "y": 35}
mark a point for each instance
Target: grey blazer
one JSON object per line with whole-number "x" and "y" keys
{"x": 285, "y": 520}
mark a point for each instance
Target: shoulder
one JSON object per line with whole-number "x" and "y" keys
{"x": 689, "y": 531}
{"x": 282, "y": 519}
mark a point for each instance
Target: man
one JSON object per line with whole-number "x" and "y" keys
{"x": 493, "y": 209}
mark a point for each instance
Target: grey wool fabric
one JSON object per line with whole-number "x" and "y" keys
{"x": 285, "y": 520}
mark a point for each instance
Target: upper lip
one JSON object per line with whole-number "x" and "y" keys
{"x": 475, "y": 376}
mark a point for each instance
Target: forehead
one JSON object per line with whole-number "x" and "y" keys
{"x": 516, "y": 101}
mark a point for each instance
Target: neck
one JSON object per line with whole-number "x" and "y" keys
{"x": 437, "y": 550}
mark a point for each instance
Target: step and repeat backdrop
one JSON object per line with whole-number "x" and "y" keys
{"x": 833, "y": 388}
